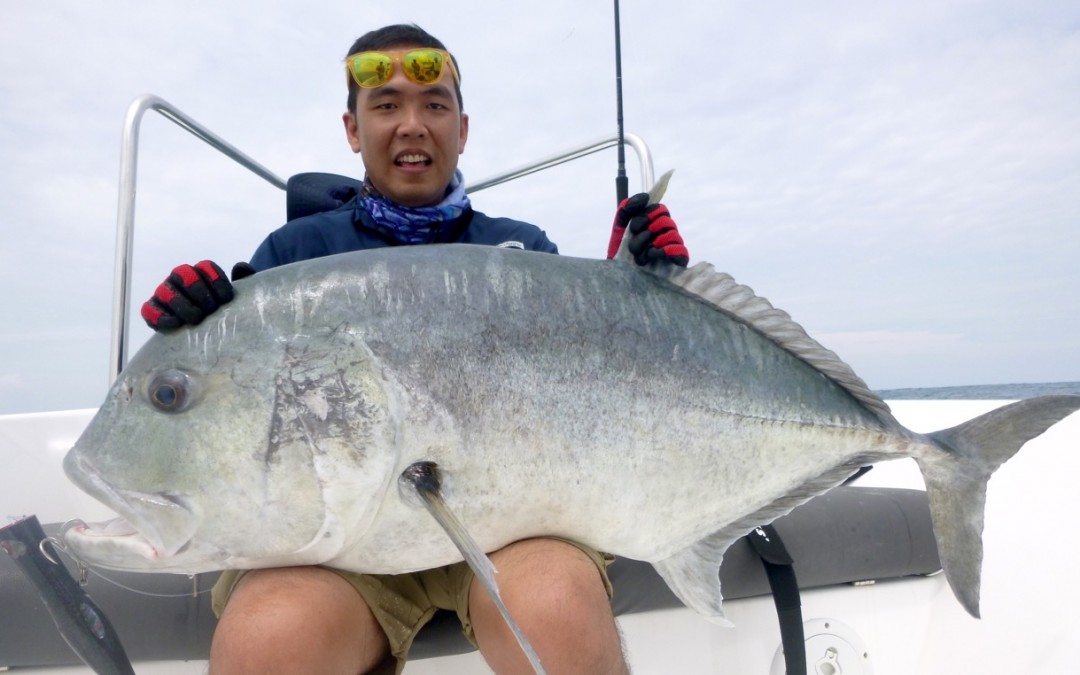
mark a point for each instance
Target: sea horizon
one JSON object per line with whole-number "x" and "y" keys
{"x": 986, "y": 392}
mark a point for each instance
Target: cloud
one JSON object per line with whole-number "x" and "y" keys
{"x": 891, "y": 344}
{"x": 892, "y": 175}
{"x": 12, "y": 383}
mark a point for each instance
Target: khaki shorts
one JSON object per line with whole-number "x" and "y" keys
{"x": 403, "y": 603}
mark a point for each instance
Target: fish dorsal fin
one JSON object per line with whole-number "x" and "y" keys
{"x": 741, "y": 303}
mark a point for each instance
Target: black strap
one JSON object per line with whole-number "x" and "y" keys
{"x": 766, "y": 542}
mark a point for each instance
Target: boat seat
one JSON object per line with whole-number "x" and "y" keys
{"x": 847, "y": 535}
{"x": 310, "y": 193}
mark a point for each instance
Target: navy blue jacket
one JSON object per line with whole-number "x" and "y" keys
{"x": 347, "y": 229}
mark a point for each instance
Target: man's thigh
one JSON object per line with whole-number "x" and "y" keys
{"x": 298, "y": 617}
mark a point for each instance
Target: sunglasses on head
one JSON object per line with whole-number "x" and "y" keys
{"x": 423, "y": 66}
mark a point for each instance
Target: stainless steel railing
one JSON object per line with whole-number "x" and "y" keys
{"x": 125, "y": 221}
{"x": 632, "y": 140}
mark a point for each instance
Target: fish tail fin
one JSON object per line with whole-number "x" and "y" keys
{"x": 956, "y": 482}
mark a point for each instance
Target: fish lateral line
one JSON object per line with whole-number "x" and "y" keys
{"x": 425, "y": 480}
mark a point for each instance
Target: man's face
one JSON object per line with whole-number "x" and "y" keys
{"x": 409, "y": 136}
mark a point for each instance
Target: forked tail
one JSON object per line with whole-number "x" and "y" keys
{"x": 956, "y": 482}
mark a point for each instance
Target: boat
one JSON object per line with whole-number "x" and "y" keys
{"x": 872, "y": 598}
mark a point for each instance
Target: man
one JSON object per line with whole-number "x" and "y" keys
{"x": 405, "y": 118}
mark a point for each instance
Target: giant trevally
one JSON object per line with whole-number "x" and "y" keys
{"x": 655, "y": 413}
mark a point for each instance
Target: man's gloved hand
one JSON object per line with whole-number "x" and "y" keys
{"x": 242, "y": 270}
{"x": 654, "y": 235}
{"x": 190, "y": 294}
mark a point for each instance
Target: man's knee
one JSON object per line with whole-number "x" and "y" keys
{"x": 557, "y": 595}
{"x": 309, "y": 618}
{"x": 550, "y": 575}
{"x": 547, "y": 584}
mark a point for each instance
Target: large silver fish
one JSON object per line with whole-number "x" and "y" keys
{"x": 655, "y": 413}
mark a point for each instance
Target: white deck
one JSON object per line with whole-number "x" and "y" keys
{"x": 907, "y": 626}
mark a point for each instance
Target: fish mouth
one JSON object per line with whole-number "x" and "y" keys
{"x": 151, "y": 527}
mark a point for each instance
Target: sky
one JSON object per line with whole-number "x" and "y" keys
{"x": 902, "y": 177}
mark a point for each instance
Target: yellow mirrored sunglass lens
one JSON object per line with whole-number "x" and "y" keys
{"x": 372, "y": 70}
{"x": 423, "y": 66}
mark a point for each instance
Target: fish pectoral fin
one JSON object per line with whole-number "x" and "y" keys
{"x": 424, "y": 479}
{"x": 656, "y": 193}
{"x": 693, "y": 575}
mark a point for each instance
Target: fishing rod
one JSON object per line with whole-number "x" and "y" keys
{"x": 622, "y": 189}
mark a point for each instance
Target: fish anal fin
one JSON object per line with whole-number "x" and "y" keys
{"x": 693, "y": 575}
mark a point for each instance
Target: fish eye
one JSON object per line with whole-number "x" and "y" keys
{"x": 170, "y": 391}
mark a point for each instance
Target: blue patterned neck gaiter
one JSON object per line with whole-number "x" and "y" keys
{"x": 414, "y": 225}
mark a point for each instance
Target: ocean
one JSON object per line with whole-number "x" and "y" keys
{"x": 982, "y": 392}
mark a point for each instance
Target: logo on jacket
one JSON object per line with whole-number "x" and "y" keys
{"x": 511, "y": 244}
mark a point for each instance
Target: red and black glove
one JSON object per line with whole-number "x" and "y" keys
{"x": 190, "y": 294}
{"x": 654, "y": 235}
